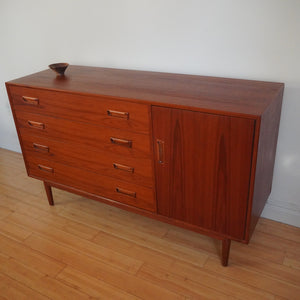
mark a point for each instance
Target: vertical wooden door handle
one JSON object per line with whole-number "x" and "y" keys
{"x": 30, "y": 100}
{"x": 160, "y": 147}
{"x": 37, "y": 125}
{"x": 118, "y": 114}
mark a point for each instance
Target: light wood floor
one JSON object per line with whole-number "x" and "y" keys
{"x": 82, "y": 249}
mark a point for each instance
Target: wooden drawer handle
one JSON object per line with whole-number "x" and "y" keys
{"x": 41, "y": 147}
{"x": 118, "y": 114}
{"x": 123, "y": 168}
{"x": 30, "y": 100}
{"x": 121, "y": 142}
{"x": 160, "y": 151}
{"x": 37, "y": 125}
{"x": 126, "y": 192}
{"x": 46, "y": 169}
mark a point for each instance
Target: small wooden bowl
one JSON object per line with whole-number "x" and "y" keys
{"x": 59, "y": 68}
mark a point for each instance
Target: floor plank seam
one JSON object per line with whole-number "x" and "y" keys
{"x": 22, "y": 283}
{"x": 146, "y": 251}
{"x": 238, "y": 279}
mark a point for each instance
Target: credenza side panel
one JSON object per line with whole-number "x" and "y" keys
{"x": 266, "y": 151}
{"x": 202, "y": 165}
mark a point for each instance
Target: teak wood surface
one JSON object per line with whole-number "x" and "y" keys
{"x": 213, "y": 94}
{"x": 83, "y": 249}
{"x": 203, "y": 147}
{"x": 93, "y": 136}
{"x": 83, "y": 108}
{"x": 189, "y": 185}
{"x": 139, "y": 170}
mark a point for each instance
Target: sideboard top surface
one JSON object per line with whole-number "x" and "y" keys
{"x": 209, "y": 94}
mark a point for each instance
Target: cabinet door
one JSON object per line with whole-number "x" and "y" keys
{"x": 202, "y": 168}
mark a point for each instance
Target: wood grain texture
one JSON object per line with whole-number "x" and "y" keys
{"x": 225, "y": 251}
{"x": 49, "y": 193}
{"x": 213, "y": 94}
{"x": 93, "y": 136}
{"x": 93, "y": 183}
{"x": 79, "y": 155}
{"x": 90, "y": 132}
{"x": 59, "y": 251}
{"x": 82, "y": 108}
{"x": 263, "y": 159}
{"x": 204, "y": 179}
{"x": 12, "y": 289}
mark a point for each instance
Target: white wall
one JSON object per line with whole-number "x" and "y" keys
{"x": 257, "y": 39}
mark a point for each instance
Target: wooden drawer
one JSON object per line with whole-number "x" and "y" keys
{"x": 93, "y": 183}
{"x": 91, "y": 109}
{"x": 138, "y": 171}
{"x": 102, "y": 138}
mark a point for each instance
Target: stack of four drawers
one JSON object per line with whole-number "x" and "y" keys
{"x": 93, "y": 144}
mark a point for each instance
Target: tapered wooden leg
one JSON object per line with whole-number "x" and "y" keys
{"x": 49, "y": 193}
{"x": 225, "y": 251}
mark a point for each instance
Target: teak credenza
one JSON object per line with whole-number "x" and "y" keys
{"x": 197, "y": 152}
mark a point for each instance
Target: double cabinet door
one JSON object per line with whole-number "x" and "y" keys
{"x": 203, "y": 166}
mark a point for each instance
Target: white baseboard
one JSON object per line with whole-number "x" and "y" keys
{"x": 288, "y": 213}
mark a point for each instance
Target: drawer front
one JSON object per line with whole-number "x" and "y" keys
{"x": 93, "y": 183}
{"x": 138, "y": 171}
{"x": 97, "y": 110}
{"x": 102, "y": 138}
